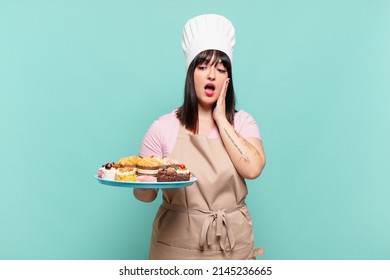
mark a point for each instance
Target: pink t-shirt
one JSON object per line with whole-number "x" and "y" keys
{"x": 161, "y": 136}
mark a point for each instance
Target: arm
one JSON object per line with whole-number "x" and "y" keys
{"x": 145, "y": 195}
{"x": 247, "y": 155}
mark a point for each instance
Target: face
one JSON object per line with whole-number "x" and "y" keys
{"x": 208, "y": 81}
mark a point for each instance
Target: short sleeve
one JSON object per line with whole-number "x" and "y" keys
{"x": 152, "y": 144}
{"x": 160, "y": 137}
{"x": 246, "y": 125}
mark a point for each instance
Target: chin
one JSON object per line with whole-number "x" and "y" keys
{"x": 207, "y": 103}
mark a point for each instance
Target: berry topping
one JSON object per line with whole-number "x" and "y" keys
{"x": 181, "y": 166}
{"x": 109, "y": 165}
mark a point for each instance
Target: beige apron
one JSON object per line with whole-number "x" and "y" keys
{"x": 209, "y": 219}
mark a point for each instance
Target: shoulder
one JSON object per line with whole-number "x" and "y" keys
{"x": 242, "y": 114}
{"x": 165, "y": 123}
{"x": 168, "y": 119}
{"x": 246, "y": 125}
{"x": 242, "y": 117}
{"x": 160, "y": 136}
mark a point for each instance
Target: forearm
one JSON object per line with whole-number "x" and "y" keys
{"x": 248, "y": 160}
{"x": 145, "y": 195}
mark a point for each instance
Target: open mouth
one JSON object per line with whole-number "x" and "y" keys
{"x": 209, "y": 89}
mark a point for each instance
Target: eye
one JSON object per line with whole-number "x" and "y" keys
{"x": 201, "y": 67}
{"x": 221, "y": 68}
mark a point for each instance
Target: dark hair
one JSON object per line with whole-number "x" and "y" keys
{"x": 188, "y": 112}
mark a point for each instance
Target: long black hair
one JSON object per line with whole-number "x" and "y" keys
{"x": 188, "y": 112}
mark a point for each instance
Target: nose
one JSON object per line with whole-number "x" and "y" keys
{"x": 211, "y": 74}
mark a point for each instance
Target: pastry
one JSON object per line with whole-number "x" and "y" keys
{"x": 145, "y": 169}
{"x": 108, "y": 171}
{"x": 170, "y": 162}
{"x": 173, "y": 174}
{"x": 183, "y": 174}
{"x": 126, "y": 174}
{"x": 167, "y": 174}
{"x": 146, "y": 178}
{"x": 129, "y": 162}
{"x": 149, "y": 165}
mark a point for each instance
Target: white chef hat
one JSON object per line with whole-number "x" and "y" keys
{"x": 206, "y": 32}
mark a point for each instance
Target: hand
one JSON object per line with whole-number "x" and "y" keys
{"x": 145, "y": 195}
{"x": 219, "y": 112}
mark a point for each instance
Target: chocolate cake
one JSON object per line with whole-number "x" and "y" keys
{"x": 170, "y": 174}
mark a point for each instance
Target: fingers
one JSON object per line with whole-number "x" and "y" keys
{"x": 224, "y": 89}
{"x": 219, "y": 112}
{"x": 226, "y": 85}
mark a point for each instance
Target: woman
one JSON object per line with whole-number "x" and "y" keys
{"x": 221, "y": 146}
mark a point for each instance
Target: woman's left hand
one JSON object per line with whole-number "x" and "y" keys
{"x": 219, "y": 112}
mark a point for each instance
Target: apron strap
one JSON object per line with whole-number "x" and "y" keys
{"x": 223, "y": 230}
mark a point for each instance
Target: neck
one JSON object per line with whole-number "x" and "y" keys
{"x": 205, "y": 113}
{"x": 205, "y": 120}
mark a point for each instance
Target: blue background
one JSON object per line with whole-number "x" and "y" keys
{"x": 81, "y": 81}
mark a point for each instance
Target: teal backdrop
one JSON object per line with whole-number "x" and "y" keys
{"x": 81, "y": 81}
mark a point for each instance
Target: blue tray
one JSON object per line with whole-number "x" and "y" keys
{"x": 147, "y": 185}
